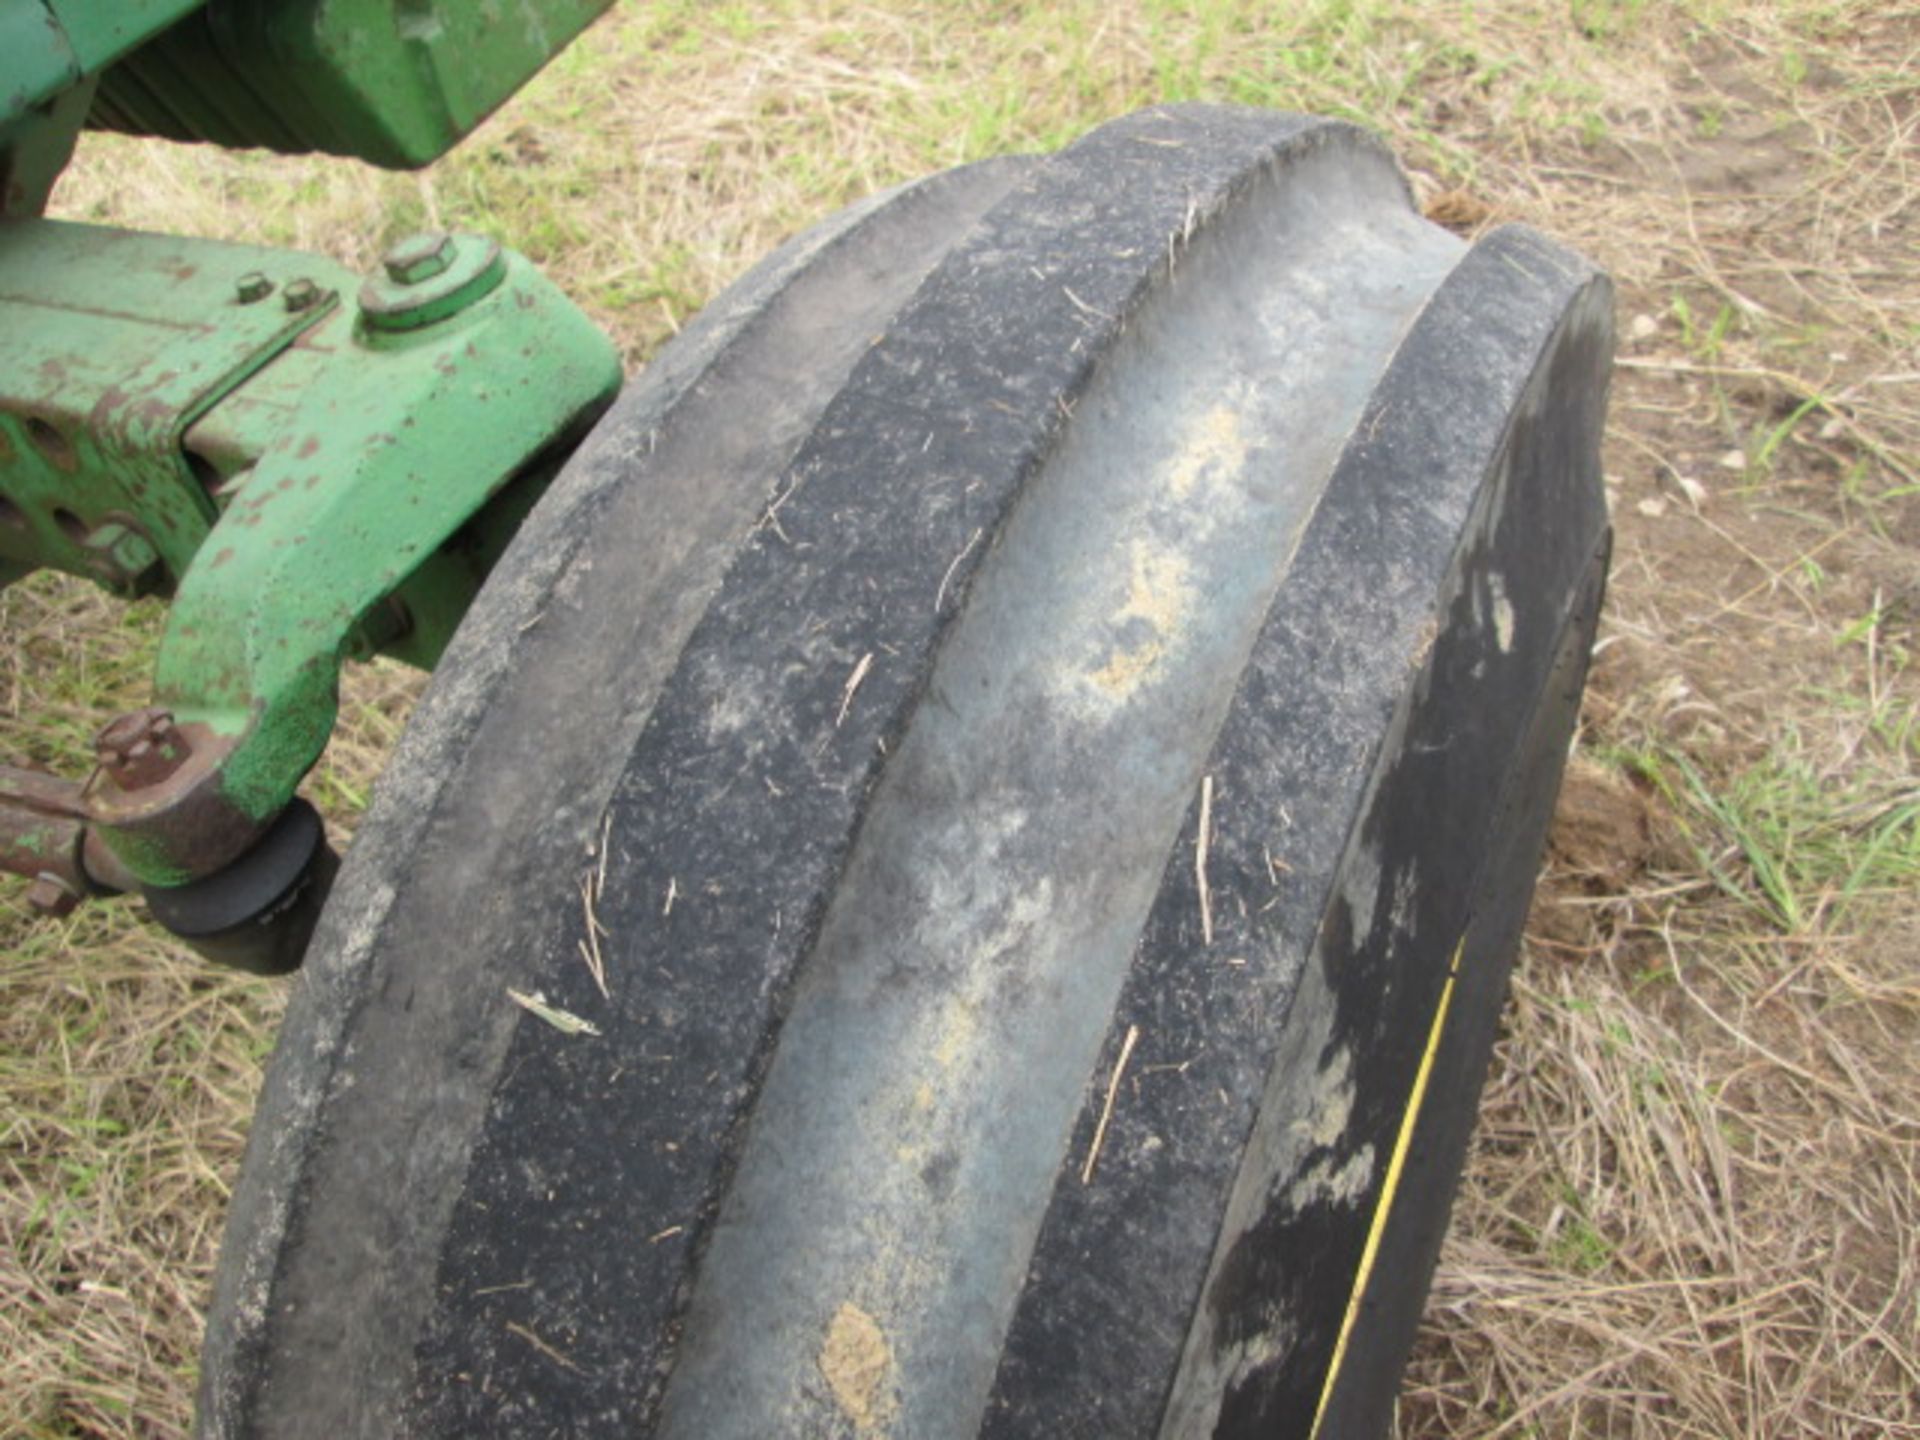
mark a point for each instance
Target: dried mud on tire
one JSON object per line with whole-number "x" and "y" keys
{"x": 1114, "y": 617}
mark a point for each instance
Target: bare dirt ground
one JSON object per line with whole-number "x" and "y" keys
{"x": 1690, "y": 1209}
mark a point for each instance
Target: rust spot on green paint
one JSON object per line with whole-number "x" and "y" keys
{"x": 307, "y": 447}
{"x": 111, "y": 399}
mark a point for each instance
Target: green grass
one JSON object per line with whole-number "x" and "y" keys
{"x": 1793, "y": 836}
{"x": 1803, "y": 846}
{"x": 1576, "y": 1245}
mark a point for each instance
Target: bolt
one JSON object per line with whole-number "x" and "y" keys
{"x": 300, "y": 294}
{"x": 252, "y": 286}
{"x": 50, "y": 896}
{"x": 418, "y": 258}
{"x": 141, "y": 749}
{"x": 119, "y": 555}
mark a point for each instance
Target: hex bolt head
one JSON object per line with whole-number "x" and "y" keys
{"x": 418, "y": 258}
{"x": 120, "y": 556}
{"x": 50, "y": 896}
{"x": 300, "y": 294}
{"x": 141, "y": 749}
{"x": 252, "y": 287}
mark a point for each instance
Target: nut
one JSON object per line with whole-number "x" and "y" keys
{"x": 251, "y": 287}
{"x": 120, "y": 556}
{"x": 300, "y": 294}
{"x": 418, "y": 258}
{"x": 141, "y": 749}
{"x": 465, "y": 270}
{"x": 50, "y": 896}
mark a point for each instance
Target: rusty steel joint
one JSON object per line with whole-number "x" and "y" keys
{"x": 142, "y": 749}
{"x": 52, "y": 896}
{"x": 159, "y": 800}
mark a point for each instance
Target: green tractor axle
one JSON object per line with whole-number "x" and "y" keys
{"x": 312, "y": 464}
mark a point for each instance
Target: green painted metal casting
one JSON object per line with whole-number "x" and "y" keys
{"x": 393, "y": 82}
{"x": 311, "y": 464}
{"x": 46, "y": 46}
{"x": 116, "y": 344}
{"x": 51, "y": 55}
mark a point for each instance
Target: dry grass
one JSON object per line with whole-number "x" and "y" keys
{"x": 1690, "y": 1211}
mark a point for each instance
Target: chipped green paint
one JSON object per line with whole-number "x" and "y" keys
{"x": 101, "y": 31}
{"x": 117, "y": 342}
{"x": 394, "y": 85}
{"x": 39, "y": 60}
{"x": 307, "y": 482}
{"x": 51, "y": 56}
{"x": 397, "y": 86}
{"x": 314, "y": 468}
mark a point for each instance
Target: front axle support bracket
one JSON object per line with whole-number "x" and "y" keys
{"x": 314, "y": 467}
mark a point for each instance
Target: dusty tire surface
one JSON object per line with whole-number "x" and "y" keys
{"x": 1025, "y": 738}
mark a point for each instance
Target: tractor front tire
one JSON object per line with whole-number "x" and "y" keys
{"x": 959, "y": 879}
